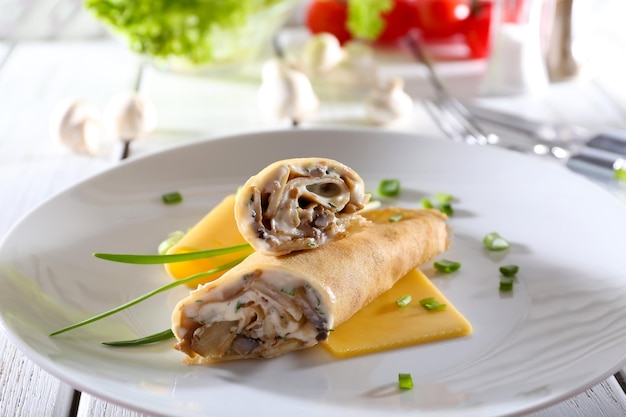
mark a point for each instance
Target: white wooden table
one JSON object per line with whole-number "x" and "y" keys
{"x": 36, "y": 75}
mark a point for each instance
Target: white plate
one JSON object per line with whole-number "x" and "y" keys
{"x": 560, "y": 331}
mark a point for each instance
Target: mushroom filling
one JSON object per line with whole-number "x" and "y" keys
{"x": 313, "y": 205}
{"x": 254, "y": 320}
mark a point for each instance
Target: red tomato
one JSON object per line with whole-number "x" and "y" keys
{"x": 328, "y": 16}
{"x": 478, "y": 29}
{"x": 442, "y": 18}
{"x": 399, "y": 21}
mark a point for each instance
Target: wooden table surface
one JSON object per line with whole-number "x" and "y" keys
{"x": 36, "y": 75}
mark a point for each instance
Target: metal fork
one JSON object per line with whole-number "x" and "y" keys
{"x": 458, "y": 122}
{"x": 450, "y": 114}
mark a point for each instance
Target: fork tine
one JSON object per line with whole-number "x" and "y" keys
{"x": 437, "y": 114}
{"x": 449, "y": 104}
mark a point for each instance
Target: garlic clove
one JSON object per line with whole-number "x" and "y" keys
{"x": 322, "y": 53}
{"x": 129, "y": 116}
{"x": 286, "y": 93}
{"x": 76, "y": 124}
{"x": 388, "y": 102}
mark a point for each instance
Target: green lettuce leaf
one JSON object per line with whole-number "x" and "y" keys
{"x": 364, "y": 17}
{"x": 190, "y": 29}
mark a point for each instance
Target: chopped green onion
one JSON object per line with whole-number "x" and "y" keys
{"x": 404, "y": 300}
{"x": 168, "y": 259}
{"x": 172, "y": 239}
{"x": 431, "y": 303}
{"x": 509, "y": 270}
{"x": 446, "y": 266}
{"x": 494, "y": 242}
{"x": 405, "y": 381}
{"x": 443, "y": 198}
{"x": 443, "y": 203}
{"x": 426, "y": 203}
{"x": 148, "y": 295}
{"x": 446, "y": 208}
{"x": 506, "y": 283}
{"x": 153, "y": 338}
{"x": 619, "y": 170}
{"x": 389, "y": 187}
{"x": 395, "y": 218}
{"x": 172, "y": 198}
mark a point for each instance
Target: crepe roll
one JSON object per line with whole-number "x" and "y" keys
{"x": 267, "y": 305}
{"x": 299, "y": 204}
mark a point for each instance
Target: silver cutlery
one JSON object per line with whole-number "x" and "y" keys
{"x": 599, "y": 156}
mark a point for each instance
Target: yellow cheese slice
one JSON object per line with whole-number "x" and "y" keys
{"x": 382, "y": 325}
{"x": 216, "y": 230}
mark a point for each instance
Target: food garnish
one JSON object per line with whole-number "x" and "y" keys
{"x": 494, "y": 242}
{"x": 431, "y": 303}
{"x": 509, "y": 270}
{"x": 447, "y": 266}
{"x": 171, "y": 240}
{"x": 174, "y": 197}
{"x": 442, "y": 202}
{"x": 217, "y": 229}
{"x": 145, "y": 259}
{"x": 506, "y": 283}
{"x": 389, "y": 187}
{"x": 154, "y": 338}
{"x": 405, "y": 381}
{"x": 507, "y": 280}
{"x": 164, "y": 259}
{"x": 403, "y": 301}
{"x": 395, "y": 217}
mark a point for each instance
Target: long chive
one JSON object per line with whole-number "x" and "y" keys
{"x": 168, "y": 259}
{"x": 148, "y": 295}
{"x": 153, "y": 338}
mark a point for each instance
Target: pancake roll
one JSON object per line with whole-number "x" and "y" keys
{"x": 270, "y": 305}
{"x": 299, "y": 204}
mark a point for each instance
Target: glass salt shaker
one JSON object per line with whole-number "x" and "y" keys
{"x": 517, "y": 64}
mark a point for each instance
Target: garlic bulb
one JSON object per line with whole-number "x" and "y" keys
{"x": 322, "y": 53}
{"x": 285, "y": 92}
{"x": 75, "y": 123}
{"x": 129, "y": 116}
{"x": 388, "y": 102}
